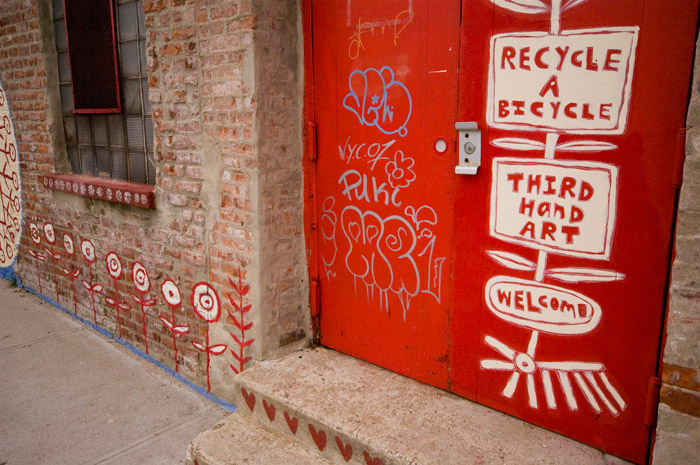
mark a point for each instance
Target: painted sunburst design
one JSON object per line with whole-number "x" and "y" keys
{"x": 590, "y": 377}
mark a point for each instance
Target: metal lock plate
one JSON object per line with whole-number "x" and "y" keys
{"x": 468, "y": 147}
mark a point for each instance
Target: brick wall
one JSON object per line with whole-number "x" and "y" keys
{"x": 226, "y": 102}
{"x": 678, "y": 430}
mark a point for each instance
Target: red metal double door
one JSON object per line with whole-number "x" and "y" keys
{"x": 537, "y": 285}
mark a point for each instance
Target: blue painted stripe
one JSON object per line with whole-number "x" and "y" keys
{"x": 199, "y": 390}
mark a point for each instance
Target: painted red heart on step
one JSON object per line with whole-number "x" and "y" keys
{"x": 369, "y": 460}
{"x": 270, "y": 410}
{"x": 292, "y": 422}
{"x": 345, "y": 450}
{"x": 249, "y": 399}
{"x": 319, "y": 437}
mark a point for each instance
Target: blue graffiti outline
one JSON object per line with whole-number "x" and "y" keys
{"x": 378, "y": 103}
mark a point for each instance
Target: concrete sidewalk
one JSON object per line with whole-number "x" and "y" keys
{"x": 68, "y": 395}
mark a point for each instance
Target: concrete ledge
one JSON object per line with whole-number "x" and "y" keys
{"x": 352, "y": 412}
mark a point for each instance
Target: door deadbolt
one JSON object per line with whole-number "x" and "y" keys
{"x": 469, "y": 156}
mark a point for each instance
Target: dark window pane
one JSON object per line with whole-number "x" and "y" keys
{"x": 134, "y": 131}
{"x": 74, "y": 159}
{"x": 63, "y": 68}
{"x": 87, "y": 158}
{"x": 57, "y": 8}
{"x": 116, "y": 131}
{"x": 146, "y": 102}
{"x": 84, "y": 130}
{"x": 59, "y": 28}
{"x": 132, "y": 96}
{"x": 142, "y": 18}
{"x": 149, "y": 133}
{"x": 66, "y": 98}
{"x": 99, "y": 130}
{"x": 119, "y": 170}
{"x": 130, "y": 58}
{"x": 91, "y": 49}
{"x": 137, "y": 166}
{"x": 71, "y": 131}
{"x": 103, "y": 163}
{"x": 128, "y": 29}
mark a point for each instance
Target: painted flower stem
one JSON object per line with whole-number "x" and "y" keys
{"x": 73, "y": 276}
{"x": 208, "y": 359}
{"x": 171, "y": 294}
{"x": 239, "y": 322}
{"x": 206, "y": 305}
{"x": 116, "y": 304}
{"x": 172, "y": 320}
{"x": 143, "y": 302}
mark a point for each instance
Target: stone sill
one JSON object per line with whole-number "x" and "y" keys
{"x": 109, "y": 190}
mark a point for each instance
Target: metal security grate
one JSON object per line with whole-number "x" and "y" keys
{"x": 112, "y": 146}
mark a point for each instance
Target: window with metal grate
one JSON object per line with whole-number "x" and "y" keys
{"x": 116, "y": 146}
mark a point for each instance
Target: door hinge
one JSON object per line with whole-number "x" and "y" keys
{"x": 679, "y": 158}
{"x": 315, "y": 296}
{"x": 311, "y": 140}
{"x": 652, "y": 406}
{"x": 315, "y": 304}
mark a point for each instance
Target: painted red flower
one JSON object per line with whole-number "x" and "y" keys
{"x": 49, "y": 232}
{"x": 34, "y": 229}
{"x": 171, "y": 293}
{"x": 114, "y": 265}
{"x": 88, "y": 250}
{"x": 140, "y": 277}
{"x": 68, "y": 244}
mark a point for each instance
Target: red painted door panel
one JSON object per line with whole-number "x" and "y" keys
{"x": 536, "y": 286}
{"x": 561, "y": 266}
{"x": 385, "y": 78}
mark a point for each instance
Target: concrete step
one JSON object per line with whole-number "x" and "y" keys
{"x": 349, "y": 411}
{"x": 241, "y": 440}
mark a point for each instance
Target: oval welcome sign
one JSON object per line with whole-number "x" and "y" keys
{"x": 541, "y": 307}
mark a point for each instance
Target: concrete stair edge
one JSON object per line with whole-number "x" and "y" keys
{"x": 382, "y": 418}
{"x": 241, "y": 440}
{"x": 354, "y": 445}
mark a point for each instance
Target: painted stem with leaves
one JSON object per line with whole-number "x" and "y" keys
{"x": 88, "y": 250}
{"x": 56, "y": 257}
{"x": 114, "y": 268}
{"x": 143, "y": 285}
{"x": 171, "y": 294}
{"x": 238, "y": 321}
{"x": 37, "y": 256}
{"x": 74, "y": 273}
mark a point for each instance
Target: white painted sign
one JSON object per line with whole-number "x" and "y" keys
{"x": 541, "y": 307}
{"x": 579, "y": 81}
{"x": 559, "y": 206}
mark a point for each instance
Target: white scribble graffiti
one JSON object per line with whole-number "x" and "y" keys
{"x": 329, "y": 221}
{"x": 359, "y": 186}
{"x": 388, "y": 254}
{"x": 372, "y": 152}
{"x": 399, "y": 170}
{"x": 379, "y": 100}
{"x": 379, "y": 253}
